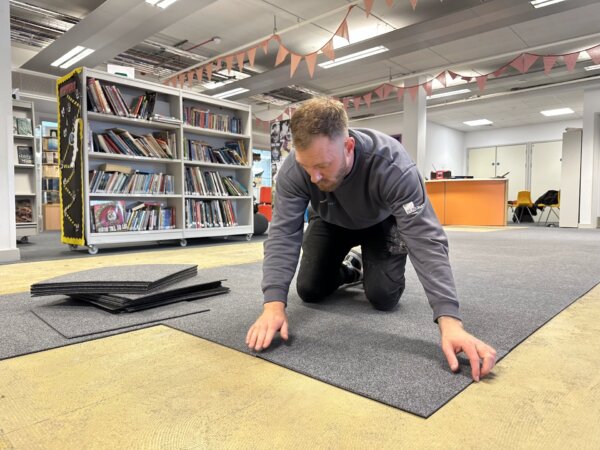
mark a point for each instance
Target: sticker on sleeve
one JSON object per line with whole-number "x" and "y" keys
{"x": 410, "y": 208}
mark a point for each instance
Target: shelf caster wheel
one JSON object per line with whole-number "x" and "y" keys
{"x": 225, "y": 238}
{"x": 92, "y": 250}
{"x": 24, "y": 240}
{"x": 73, "y": 247}
{"x": 183, "y": 242}
{"x": 249, "y": 237}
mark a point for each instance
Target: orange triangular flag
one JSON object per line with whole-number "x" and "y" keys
{"x": 400, "y": 93}
{"x": 390, "y": 3}
{"x": 265, "y": 45}
{"x": 379, "y": 92}
{"x": 328, "y": 50}
{"x": 368, "y": 98}
{"x": 413, "y": 91}
{"x": 428, "y": 87}
{"x": 218, "y": 64}
{"x": 181, "y": 80}
{"x": 199, "y": 74}
{"x": 311, "y": 61}
{"x": 519, "y": 63}
{"x": 481, "y": 80}
{"x": 209, "y": 69}
{"x": 387, "y": 90}
{"x": 251, "y": 56}
{"x": 356, "y": 102}
{"x": 500, "y": 71}
{"x": 240, "y": 60}
{"x": 413, "y": 3}
{"x": 571, "y": 60}
{"x": 368, "y": 6}
{"x": 528, "y": 61}
{"x": 281, "y": 54}
{"x": 229, "y": 62}
{"x": 295, "y": 60}
{"x": 190, "y": 78}
{"x": 441, "y": 78}
{"x": 549, "y": 63}
{"x": 453, "y": 75}
{"x": 345, "y": 101}
{"x": 342, "y": 30}
{"x": 594, "y": 53}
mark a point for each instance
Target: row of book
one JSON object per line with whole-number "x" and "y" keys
{"x": 203, "y": 118}
{"x": 211, "y": 183}
{"x": 50, "y": 197}
{"x": 121, "y": 182}
{"x": 209, "y": 214}
{"x": 112, "y": 216}
{"x": 107, "y": 98}
{"x": 201, "y": 151}
{"x": 158, "y": 144}
{"x": 50, "y": 184}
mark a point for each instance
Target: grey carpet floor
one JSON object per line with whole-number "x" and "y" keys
{"x": 509, "y": 283}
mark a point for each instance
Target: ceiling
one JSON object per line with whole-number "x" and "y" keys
{"x": 470, "y": 37}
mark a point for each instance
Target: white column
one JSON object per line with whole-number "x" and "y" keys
{"x": 414, "y": 131}
{"x": 8, "y": 236}
{"x": 590, "y": 160}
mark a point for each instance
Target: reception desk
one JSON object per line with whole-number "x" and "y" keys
{"x": 481, "y": 201}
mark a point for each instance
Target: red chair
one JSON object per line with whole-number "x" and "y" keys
{"x": 265, "y": 206}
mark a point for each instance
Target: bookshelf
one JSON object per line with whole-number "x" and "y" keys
{"x": 50, "y": 179}
{"x": 27, "y": 171}
{"x": 137, "y": 173}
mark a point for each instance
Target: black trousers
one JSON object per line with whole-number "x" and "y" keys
{"x": 324, "y": 248}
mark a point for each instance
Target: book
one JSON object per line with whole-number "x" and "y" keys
{"x": 24, "y": 211}
{"x": 25, "y": 154}
{"x": 111, "y": 167}
{"x": 109, "y": 216}
{"x": 22, "y": 126}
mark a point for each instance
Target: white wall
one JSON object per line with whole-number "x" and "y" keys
{"x": 590, "y": 157}
{"x": 519, "y": 135}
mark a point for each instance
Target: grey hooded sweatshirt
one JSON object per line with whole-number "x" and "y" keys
{"x": 384, "y": 181}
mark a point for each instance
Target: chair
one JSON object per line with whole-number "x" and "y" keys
{"x": 523, "y": 200}
{"x": 265, "y": 206}
{"x": 552, "y": 209}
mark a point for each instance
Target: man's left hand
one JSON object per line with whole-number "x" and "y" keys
{"x": 455, "y": 340}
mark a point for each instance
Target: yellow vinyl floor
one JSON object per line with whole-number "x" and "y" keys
{"x": 159, "y": 388}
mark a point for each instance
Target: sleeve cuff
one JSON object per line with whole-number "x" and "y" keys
{"x": 446, "y": 309}
{"x": 275, "y": 294}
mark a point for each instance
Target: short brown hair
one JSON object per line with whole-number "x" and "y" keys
{"x": 318, "y": 117}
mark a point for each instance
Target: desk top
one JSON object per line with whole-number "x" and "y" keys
{"x": 467, "y": 179}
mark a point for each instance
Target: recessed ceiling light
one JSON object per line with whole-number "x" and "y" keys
{"x": 161, "y": 3}
{"x": 557, "y": 112}
{"x": 68, "y": 56}
{"x": 449, "y": 93}
{"x": 354, "y": 56}
{"x": 478, "y": 122}
{"x": 73, "y": 56}
{"x": 542, "y": 3}
{"x": 594, "y": 67}
{"x": 231, "y": 93}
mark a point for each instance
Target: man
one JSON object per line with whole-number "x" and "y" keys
{"x": 364, "y": 190}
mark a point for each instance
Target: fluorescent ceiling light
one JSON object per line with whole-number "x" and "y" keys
{"x": 354, "y": 56}
{"x": 449, "y": 93}
{"x": 542, "y": 3}
{"x": 478, "y": 122}
{"x": 76, "y": 58}
{"x": 594, "y": 67}
{"x": 557, "y": 112}
{"x": 152, "y": 2}
{"x": 68, "y": 56}
{"x": 161, "y": 4}
{"x": 231, "y": 93}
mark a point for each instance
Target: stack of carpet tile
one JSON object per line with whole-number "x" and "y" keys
{"x": 132, "y": 288}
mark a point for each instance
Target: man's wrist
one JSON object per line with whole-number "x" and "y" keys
{"x": 274, "y": 306}
{"x": 448, "y": 322}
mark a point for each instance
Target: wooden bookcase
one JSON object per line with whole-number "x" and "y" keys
{"x": 27, "y": 171}
{"x": 170, "y": 206}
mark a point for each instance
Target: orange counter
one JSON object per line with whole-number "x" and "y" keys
{"x": 481, "y": 201}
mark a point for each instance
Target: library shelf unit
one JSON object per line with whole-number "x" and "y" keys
{"x": 50, "y": 180}
{"x": 140, "y": 193}
{"x": 27, "y": 171}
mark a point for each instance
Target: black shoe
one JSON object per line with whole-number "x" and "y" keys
{"x": 353, "y": 266}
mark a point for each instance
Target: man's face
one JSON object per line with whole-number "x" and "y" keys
{"x": 327, "y": 161}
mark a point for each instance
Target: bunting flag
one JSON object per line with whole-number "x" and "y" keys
{"x": 240, "y": 60}
{"x": 311, "y": 61}
{"x": 342, "y": 31}
{"x": 453, "y": 75}
{"x": 368, "y": 98}
{"x": 356, "y": 102}
{"x": 519, "y": 63}
{"x": 528, "y": 61}
{"x": 466, "y": 78}
{"x": 228, "y": 63}
{"x": 571, "y": 60}
{"x": 387, "y": 89}
{"x": 190, "y": 78}
{"x": 265, "y": 45}
{"x": 481, "y": 81}
{"x": 400, "y": 94}
{"x": 181, "y": 80}
{"x": 549, "y": 63}
{"x": 379, "y": 92}
{"x": 413, "y": 3}
{"x": 413, "y": 91}
{"x": 594, "y": 53}
{"x": 281, "y": 54}
{"x": 345, "y": 101}
{"x": 500, "y": 71}
{"x": 209, "y": 71}
{"x": 328, "y": 50}
{"x": 295, "y": 60}
{"x": 428, "y": 87}
{"x": 368, "y": 6}
{"x": 441, "y": 78}
{"x": 199, "y": 74}
{"x": 390, "y": 3}
{"x": 251, "y": 55}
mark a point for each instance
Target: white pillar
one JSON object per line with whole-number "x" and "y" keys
{"x": 590, "y": 160}
{"x": 414, "y": 131}
{"x": 8, "y": 236}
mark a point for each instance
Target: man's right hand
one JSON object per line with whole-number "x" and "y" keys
{"x": 273, "y": 319}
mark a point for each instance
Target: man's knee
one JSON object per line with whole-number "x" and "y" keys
{"x": 310, "y": 293}
{"x": 383, "y": 299}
